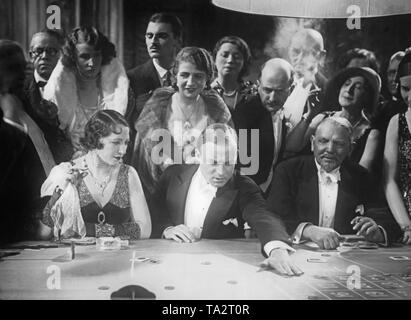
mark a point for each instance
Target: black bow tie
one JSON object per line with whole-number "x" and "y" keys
{"x": 41, "y": 84}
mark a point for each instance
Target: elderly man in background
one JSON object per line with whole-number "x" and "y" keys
{"x": 45, "y": 49}
{"x": 306, "y": 54}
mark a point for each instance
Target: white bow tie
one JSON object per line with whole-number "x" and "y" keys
{"x": 329, "y": 177}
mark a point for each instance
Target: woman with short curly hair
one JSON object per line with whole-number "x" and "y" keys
{"x": 232, "y": 58}
{"x": 87, "y": 78}
{"x": 110, "y": 198}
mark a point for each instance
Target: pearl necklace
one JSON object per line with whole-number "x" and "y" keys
{"x": 231, "y": 93}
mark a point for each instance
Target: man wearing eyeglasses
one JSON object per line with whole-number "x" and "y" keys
{"x": 44, "y": 53}
{"x": 45, "y": 48}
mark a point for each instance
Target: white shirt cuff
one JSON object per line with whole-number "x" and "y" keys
{"x": 246, "y": 226}
{"x": 276, "y": 244}
{"x": 385, "y": 243}
{"x": 298, "y": 233}
{"x": 162, "y": 235}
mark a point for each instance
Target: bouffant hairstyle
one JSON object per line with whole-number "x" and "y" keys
{"x": 242, "y": 47}
{"x": 90, "y": 36}
{"x": 200, "y": 57}
{"x": 102, "y": 124}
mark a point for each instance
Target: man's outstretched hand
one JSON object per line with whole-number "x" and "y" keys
{"x": 280, "y": 261}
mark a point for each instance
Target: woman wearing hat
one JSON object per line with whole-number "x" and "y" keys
{"x": 351, "y": 94}
{"x": 397, "y": 155}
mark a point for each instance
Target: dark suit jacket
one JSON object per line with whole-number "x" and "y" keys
{"x": 294, "y": 196}
{"x": 253, "y": 115}
{"x": 21, "y": 177}
{"x": 240, "y": 198}
{"x": 143, "y": 78}
{"x": 44, "y": 114}
{"x": 143, "y": 81}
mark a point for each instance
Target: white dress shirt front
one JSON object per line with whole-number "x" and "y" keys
{"x": 199, "y": 197}
{"x": 327, "y": 197}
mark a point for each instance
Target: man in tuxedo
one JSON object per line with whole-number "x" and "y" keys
{"x": 211, "y": 201}
{"x": 264, "y": 112}
{"x": 45, "y": 48}
{"x": 323, "y": 196}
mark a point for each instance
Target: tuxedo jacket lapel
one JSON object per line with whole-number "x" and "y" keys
{"x": 309, "y": 193}
{"x": 219, "y": 207}
{"x": 344, "y": 210}
{"x": 177, "y": 194}
{"x": 33, "y": 93}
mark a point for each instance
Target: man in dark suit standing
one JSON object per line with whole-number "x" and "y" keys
{"x": 163, "y": 40}
{"x": 164, "y": 37}
{"x": 45, "y": 48}
{"x": 322, "y": 196}
{"x": 264, "y": 112}
{"x": 210, "y": 201}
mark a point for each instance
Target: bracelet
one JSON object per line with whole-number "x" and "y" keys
{"x": 406, "y": 228}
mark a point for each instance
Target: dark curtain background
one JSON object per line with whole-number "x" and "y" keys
{"x": 204, "y": 24}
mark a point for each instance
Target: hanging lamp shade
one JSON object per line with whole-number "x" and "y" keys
{"x": 318, "y": 8}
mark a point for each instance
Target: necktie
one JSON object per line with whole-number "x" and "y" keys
{"x": 167, "y": 80}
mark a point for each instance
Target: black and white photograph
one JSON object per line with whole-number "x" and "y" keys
{"x": 205, "y": 154}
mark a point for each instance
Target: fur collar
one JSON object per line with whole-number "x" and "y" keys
{"x": 155, "y": 110}
{"x": 62, "y": 90}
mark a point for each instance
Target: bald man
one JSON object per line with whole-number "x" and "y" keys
{"x": 264, "y": 113}
{"x": 306, "y": 54}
